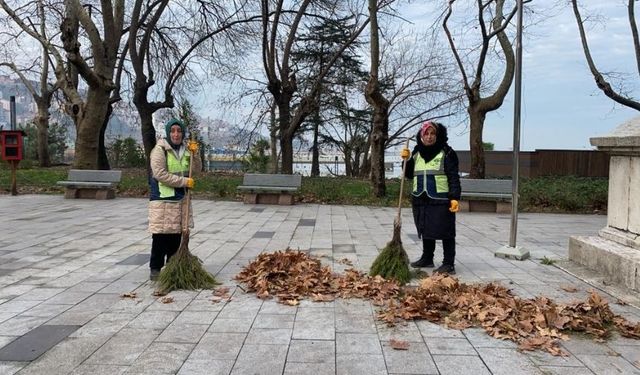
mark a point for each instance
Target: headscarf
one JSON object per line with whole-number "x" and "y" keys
{"x": 167, "y": 129}
{"x": 429, "y": 152}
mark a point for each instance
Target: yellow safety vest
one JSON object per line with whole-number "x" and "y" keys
{"x": 176, "y": 167}
{"x": 429, "y": 177}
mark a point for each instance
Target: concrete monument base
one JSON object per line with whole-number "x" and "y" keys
{"x": 618, "y": 263}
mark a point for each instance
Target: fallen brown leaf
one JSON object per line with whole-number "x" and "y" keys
{"x": 569, "y": 289}
{"x": 399, "y": 344}
{"x": 167, "y": 300}
{"x": 129, "y": 295}
{"x": 158, "y": 293}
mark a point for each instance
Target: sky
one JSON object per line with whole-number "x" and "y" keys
{"x": 561, "y": 106}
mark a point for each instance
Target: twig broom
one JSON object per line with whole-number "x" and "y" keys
{"x": 184, "y": 270}
{"x": 393, "y": 262}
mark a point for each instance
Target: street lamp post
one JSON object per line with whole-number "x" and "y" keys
{"x": 512, "y": 251}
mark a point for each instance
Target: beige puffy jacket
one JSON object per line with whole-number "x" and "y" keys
{"x": 165, "y": 216}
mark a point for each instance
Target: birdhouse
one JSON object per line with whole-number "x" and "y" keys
{"x": 12, "y": 144}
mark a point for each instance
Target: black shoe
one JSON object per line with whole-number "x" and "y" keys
{"x": 447, "y": 269}
{"x": 422, "y": 262}
{"x": 154, "y": 274}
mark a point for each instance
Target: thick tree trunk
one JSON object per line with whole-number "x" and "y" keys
{"x": 103, "y": 159}
{"x": 476, "y": 125}
{"x": 42, "y": 126}
{"x": 88, "y": 129}
{"x": 286, "y": 138}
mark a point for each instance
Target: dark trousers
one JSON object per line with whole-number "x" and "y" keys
{"x": 163, "y": 245}
{"x": 449, "y": 246}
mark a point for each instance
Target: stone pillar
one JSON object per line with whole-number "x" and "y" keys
{"x": 615, "y": 252}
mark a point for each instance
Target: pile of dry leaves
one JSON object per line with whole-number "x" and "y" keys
{"x": 532, "y": 323}
{"x": 293, "y": 275}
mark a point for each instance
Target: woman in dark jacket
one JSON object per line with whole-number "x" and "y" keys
{"x": 433, "y": 169}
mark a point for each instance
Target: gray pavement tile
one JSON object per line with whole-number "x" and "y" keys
{"x": 65, "y": 356}
{"x": 242, "y": 325}
{"x": 628, "y": 352}
{"x": 206, "y": 367}
{"x": 351, "y": 323}
{"x": 577, "y": 345}
{"x": 449, "y": 346}
{"x": 344, "y": 248}
{"x": 506, "y": 361}
{"x": 161, "y": 357}
{"x": 415, "y": 360}
{"x": 360, "y": 364}
{"x": 20, "y": 325}
{"x": 35, "y": 343}
{"x": 428, "y": 329}
{"x": 183, "y": 333}
{"x": 479, "y": 338}
{"x": 353, "y": 306}
{"x": 135, "y": 260}
{"x": 124, "y": 347}
{"x": 273, "y": 321}
{"x": 460, "y": 364}
{"x": 608, "y": 364}
{"x": 270, "y": 336}
{"x": 298, "y": 368}
{"x": 260, "y": 359}
{"x": 196, "y": 317}
{"x": 558, "y": 370}
{"x": 263, "y": 234}
{"x": 312, "y": 351}
{"x": 357, "y": 343}
{"x": 155, "y": 319}
{"x": 86, "y": 369}
{"x": 307, "y": 222}
{"x": 540, "y": 358}
{"x": 314, "y": 330}
{"x": 219, "y": 346}
{"x": 404, "y": 332}
{"x": 10, "y": 368}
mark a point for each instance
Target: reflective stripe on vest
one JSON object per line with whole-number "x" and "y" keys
{"x": 176, "y": 167}
{"x": 429, "y": 177}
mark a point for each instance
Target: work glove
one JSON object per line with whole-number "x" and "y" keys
{"x": 454, "y": 206}
{"x": 405, "y": 153}
{"x": 192, "y": 146}
{"x": 190, "y": 182}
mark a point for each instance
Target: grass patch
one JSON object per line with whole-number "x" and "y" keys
{"x": 547, "y": 261}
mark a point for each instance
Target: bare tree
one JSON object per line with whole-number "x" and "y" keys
{"x": 602, "y": 82}
{"x": 481, "y": 98}
{"x": 380, "y": 104}
{"x": 43, "y": 94}
{"x": 280, "y": 27}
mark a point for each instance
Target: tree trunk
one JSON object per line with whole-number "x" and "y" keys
{"x": 476, "y": 118}
{"x": 103, "y": 159}
{"x": 88, "y": 129}
{"x": 315, "y": 153}
{"x": 42, "y": 125}
{"x": 286, "y": 138}
{"x": 379, "y": 137}
{"x": 273, "y": 138}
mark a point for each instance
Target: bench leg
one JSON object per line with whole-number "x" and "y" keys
{"x": 250, "y": 198}
{"x": 70, "y": 193}
{"x": 503, "y": 207}
{"x": 285, "y": 199}
{"x": 102, "y": 194}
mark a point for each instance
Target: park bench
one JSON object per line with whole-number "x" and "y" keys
{"x": 485, "y": 195}
{"x": 270, "y": 188}
{"x": 91, "y": 184}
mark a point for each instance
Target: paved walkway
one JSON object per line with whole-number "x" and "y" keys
{"x": 65, "y": 264}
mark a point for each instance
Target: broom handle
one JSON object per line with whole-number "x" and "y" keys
{"x": 186, "y": 227}
{"x": 404, "y": 167}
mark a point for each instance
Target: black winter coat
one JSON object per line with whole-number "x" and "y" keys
{"x": 432, "y": 217}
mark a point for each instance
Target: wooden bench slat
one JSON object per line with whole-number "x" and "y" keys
{"x": 94, "y": 175}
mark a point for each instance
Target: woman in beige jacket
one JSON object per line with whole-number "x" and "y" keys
{"x": 169, "y": 181}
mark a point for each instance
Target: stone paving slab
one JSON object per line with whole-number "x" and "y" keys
{"x": 67, "y": 263}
